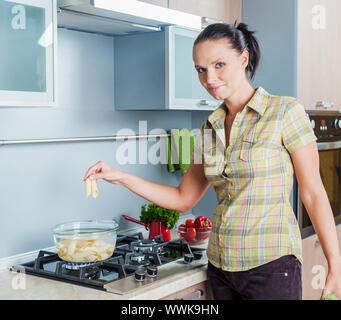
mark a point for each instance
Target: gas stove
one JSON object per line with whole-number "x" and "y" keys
{"x": 133, "y": 256}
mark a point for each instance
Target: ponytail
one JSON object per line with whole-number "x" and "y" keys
{"x": 251, "y": 46}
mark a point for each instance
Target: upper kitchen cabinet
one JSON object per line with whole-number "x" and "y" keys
{"x": 120, "y": 17}
{"x": 28, "y": 32}
{"x": 155, "y": 71}
{"x": 223, "y": 10}
{"x": 319, "y": 34}
{"x": 299, "y": 41}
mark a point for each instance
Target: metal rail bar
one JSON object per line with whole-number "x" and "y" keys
{"x": 82, "y": 139}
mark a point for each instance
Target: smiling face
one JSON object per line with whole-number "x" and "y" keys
{"x": 221, "y": 69}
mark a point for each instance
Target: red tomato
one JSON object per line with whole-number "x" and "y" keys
{"x": 182, "y": 230}
{"x": 190, "y": 223}
{"x": 182, "y": 227}
{"x": 190, "y": 234}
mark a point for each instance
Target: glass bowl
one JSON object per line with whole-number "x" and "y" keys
{"x": 201, "y": 235}
{"x": 85, "y": 240}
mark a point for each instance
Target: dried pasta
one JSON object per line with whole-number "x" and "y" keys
{"x": 84, "y": 250}
{"x": 91, "y": 188}
{"x": 87, "y": 187}
{"x": 94, "y": 189}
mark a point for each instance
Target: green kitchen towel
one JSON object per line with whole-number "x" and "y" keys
{"x": 180, "y": 149}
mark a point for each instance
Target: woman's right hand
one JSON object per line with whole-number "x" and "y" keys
{"x": 101, "y": 170}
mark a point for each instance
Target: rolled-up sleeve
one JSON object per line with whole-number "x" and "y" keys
{"x": 297, "y": 130}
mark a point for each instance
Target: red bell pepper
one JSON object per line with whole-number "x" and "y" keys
{"x": 203, "y": 227}
{"x": 203, "y": 223}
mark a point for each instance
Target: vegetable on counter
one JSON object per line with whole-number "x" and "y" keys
{"x": 190, "y": 234}
{"x": 195, "y": 230}
{"x": 202, "y": 222}
{"x": 155, "y": 213}
{"x": 190, "y": 223}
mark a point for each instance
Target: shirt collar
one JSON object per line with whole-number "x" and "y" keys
{"x": 258, "y": 102}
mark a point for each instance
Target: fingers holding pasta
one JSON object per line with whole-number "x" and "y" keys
{"x": 101, "y": 170}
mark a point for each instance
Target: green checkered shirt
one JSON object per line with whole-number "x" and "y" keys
{"x": 254, "y": 222}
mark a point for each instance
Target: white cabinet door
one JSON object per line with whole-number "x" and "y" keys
{"x": 223, "y": 10}
{"x": 28, "y": 32}
{"x": 318, "y": 60}
{"x": 161, "y": 72}
{"x": 185, "y": 91}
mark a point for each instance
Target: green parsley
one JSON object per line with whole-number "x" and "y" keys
{"x": 156, "y": 213}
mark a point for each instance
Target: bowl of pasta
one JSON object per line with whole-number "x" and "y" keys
{"x": 85, "y": 240}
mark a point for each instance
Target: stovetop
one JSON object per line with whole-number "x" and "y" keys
{"x": 131, "y": 253}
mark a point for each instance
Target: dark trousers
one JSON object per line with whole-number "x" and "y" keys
{"x": 277, "y": 280}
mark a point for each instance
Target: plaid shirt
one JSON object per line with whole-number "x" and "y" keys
{"x": 253, "y": 223}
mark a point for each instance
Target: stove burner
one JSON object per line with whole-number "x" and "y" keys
{"x": 77, "y": 266}
{"x": 147, "y": 246}
{"x": 85, "y": 272}
{"x": 137, "y": 259}
{"x": 143, "y": 245}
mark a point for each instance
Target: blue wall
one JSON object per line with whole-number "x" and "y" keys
{"x": 41, "y": 185}
{"x": 275, "y": 23}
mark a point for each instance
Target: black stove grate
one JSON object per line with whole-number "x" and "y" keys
{"x": 97, "y": 274}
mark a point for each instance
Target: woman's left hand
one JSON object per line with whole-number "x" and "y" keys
{"x": 333, "y": 284}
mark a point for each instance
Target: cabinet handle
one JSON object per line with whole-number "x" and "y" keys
{"x": 194, "y": 295}
{"x": 204, "y": 103}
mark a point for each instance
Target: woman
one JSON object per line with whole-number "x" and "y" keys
{"x": 255, "y": 249}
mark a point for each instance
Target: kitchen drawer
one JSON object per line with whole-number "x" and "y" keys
{"x": 200, "y": 291}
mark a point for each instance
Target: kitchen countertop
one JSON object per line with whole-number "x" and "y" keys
{"x": 173, "y": 277}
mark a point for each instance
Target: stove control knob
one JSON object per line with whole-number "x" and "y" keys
{"x": 151, "y": 271}
{"x": 140, "y": 275}
{"x": 188, "y": 258}
{"x": 312, "y": 124}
